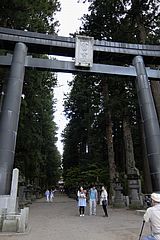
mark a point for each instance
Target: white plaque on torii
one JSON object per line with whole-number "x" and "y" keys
{"x": 84, "y": 51}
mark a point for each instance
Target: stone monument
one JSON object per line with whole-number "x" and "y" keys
{"x": 13, "y": 219}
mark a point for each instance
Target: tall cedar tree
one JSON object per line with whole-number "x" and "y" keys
{"x": 36, "y": 154}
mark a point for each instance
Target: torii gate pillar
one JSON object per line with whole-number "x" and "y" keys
{"x": 9, "y": 116}
{"x": 150, "y": 121}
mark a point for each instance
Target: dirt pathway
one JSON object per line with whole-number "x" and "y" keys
{"x": 60, "y": 221}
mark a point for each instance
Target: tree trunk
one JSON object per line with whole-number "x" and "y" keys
{"x": 130, "y": 161}
{"x": 109, "y": 138}
{"x": 141, "y": 36}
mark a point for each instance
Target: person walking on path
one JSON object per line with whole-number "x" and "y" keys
{"x": 47, "y": 194}
{"x": 93, "y": 197}
{"x": 81, "y": 201}
{"x": 152, "y": 215}
{"x": 51, "y": 195}
{"x": 104, "y": 201}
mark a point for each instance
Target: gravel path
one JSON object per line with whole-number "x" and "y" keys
{"x": 60, "y": 221}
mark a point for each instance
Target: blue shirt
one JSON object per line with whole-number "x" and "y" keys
{"x": 93, "y": 194}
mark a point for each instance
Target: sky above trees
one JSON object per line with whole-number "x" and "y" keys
{"x": 69, "y": 18}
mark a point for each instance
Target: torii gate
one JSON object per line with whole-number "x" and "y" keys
{"x": 87, "y": 55}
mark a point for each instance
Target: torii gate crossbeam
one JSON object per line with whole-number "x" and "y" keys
{"x": 69, "y": 67}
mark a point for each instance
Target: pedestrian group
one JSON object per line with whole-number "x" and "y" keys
{"x": 49, "y": 195}
{"x": 93, "y": 199}
{"x": 152, "y": 214}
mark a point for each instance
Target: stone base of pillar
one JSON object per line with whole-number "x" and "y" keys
{"x": 11, "y": 219}
{"x": 119, "y": 204}
{"x": 9, "y": 225}
{"x": 118, "y": 201}
{"x": 17, "y": 223}
{"x": 135, "y": 204}
{"x": 134, "y": 186}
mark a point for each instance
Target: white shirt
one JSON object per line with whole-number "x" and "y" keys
{"x": 104, "y": 196}
{"x": 152, "y": 215}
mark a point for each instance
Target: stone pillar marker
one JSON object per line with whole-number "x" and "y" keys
{"x": 133, "y": 175}
{"x": 13, "y": 219}
{"x": 13, "y": 193}
{"x": 118, "y": 200}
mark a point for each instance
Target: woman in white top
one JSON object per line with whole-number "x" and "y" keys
{"x": 104, "y": 201}
{"x": 81, "y": 201}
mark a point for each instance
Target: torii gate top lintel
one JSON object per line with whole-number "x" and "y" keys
{"x": 65, "y": 46}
